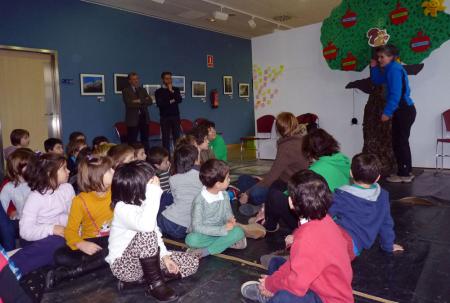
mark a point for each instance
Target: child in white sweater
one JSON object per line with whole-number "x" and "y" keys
{"x": 136, "y": 248}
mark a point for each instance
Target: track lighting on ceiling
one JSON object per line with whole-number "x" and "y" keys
{"x": 220, "y": 15}
{"x": 252, "y": 23}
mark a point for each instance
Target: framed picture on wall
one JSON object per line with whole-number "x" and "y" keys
{"x": 227, "y": 85}
{"x": 180, "y": 82}
{"x": 120, "y": 82}
{"x": 92, "y": 84}
{"x": 198, "y": 89}
{"x": 151, "y": 89}
{"x": 244, "y": 90}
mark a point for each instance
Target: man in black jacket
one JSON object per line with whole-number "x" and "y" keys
{"x": 167, "y": 99}
{"x": 136, "y": 101}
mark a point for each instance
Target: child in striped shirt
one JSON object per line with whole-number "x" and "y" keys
{"x": 158, "y": 157}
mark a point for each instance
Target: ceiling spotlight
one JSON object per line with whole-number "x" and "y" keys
{"x": 159, "y": 1}
{"x": 220, "y": 15}
{"x": 252, "y": 23}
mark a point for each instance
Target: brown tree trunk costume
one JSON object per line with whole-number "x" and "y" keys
{"x": 377, "y": 135}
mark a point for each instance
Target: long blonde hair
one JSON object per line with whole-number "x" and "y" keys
{"x": 287, "y": 124}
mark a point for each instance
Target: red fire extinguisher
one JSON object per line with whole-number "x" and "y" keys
{"x": 214, "y": 97}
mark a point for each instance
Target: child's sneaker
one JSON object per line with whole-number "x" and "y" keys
{"x": 260, "y": 217}
{"x": 250, "y": 290}
{"x": 400, "y": 179}
{"x": 241, "y": 244}
{"x": 253, "y": 231}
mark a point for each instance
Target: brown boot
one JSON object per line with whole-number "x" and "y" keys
{"x": 167, "y": 276}
{"x": 156, "y": 286}
{"x": 123, "y": 286}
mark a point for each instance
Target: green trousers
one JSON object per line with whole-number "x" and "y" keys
{"x": 215, "y": 245}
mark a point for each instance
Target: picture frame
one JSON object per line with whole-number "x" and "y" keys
{"x": 179, "y": 82}
{"x": 151, "y": 89}
{"x": 227, "y": 85}
{"x": 120, "y": 82}
{"x": 92, "y": 84}
{"x": 198, "y": 89}
{"x": 244, "y": 90}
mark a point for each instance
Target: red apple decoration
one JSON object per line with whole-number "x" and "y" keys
{"x": 349, "y": 63}
{"x": 420, "y": 43}
{"x": 330, "y": 52}
{"x": 399, "y": 15}
{"x": 349, "y": 19}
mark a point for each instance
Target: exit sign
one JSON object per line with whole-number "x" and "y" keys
{"x": 210, "y": 61}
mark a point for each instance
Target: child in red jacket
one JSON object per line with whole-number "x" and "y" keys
{"x": 319, "y": 268}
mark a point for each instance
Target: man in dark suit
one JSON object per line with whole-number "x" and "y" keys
{"x": 136, "y": 101}
{"x": 167, "y": 98}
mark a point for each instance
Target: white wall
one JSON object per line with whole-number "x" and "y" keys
{"x": 309, "y": 85}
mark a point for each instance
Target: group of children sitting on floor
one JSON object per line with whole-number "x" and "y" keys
{"x": 110, "y": 205}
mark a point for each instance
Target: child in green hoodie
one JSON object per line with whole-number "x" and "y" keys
{"x": 327, "y": 160}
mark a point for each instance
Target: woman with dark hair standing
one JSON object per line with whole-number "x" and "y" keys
{"x": 399, "y": 107}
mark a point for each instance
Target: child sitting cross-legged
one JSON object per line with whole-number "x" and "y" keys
{"x": 213, "y": 227}
{"x": 319, "y": 268}
{"x": 363, "y": 210}
{"x": 45, "y": 213}
{"x": 136, "y": 249}
{"x": 89, "y": 222}
{"x": 174, "y": 216}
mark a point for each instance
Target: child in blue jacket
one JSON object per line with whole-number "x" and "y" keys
{"x": 363, "y": 210}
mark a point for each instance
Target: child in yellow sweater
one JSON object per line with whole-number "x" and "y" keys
{"x": 89, "y": 221}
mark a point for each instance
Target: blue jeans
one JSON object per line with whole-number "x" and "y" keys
{"x": 170, "y": 228}
{"x": 37, "y": 254}
{"x": 257, "y": 194}
{"x": 165, "y": 201}
{"x": 8, "y": 231}
{"x": 166, "y": 226}
{"x": 285, "y": 296}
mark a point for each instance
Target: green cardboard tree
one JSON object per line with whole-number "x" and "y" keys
{"x": 344, "y": 32}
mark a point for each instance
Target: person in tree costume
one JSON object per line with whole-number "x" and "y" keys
{"x": 352, "y": 32}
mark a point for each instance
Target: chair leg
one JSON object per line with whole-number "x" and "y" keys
{"x": 437, "y": 158}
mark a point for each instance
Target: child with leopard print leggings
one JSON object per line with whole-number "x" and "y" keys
{"x": 136, "y": 249}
